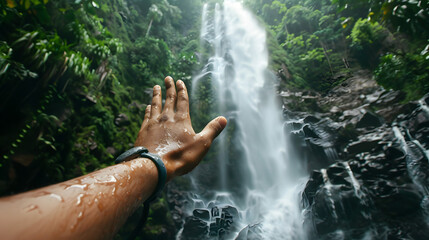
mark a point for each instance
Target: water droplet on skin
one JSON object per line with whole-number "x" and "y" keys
{"x": 106, "y": 179}
{"x": 113, "y": 191}
{"x": 31, "y": 208}
{"x": 58, "y": 197}
{"x": 72, "y": 227}
{"x": 41, "y": 193}
{"x": 80, "y": 215}
{"x": 79, "y": 199}
{"x": 81, "y": 186}
{"x": 99, "y": 205}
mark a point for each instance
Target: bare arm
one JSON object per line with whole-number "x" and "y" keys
{"x": 96, "y": 205}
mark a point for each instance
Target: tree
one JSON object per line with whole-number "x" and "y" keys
{"x": 366, "y": 42}
{"x": 155, "y": 15}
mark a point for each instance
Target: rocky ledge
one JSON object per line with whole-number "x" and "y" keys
{"x": 367, "y": 154}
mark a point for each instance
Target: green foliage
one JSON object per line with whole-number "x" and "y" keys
{"x": 69, "y": 68}
{"x": 273, "y": 13}
{"x": 410, "y": 17}
{"x": 366, "y": 41}
{"x": 408, "y": 72}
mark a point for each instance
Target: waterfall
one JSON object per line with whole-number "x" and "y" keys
{"x": 414, "y": 165}
{"x": 257, "y": 172}
{"x": 424, "y": 106}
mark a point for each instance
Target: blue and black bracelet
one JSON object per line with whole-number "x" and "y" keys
{"x": 144, "y": 153}
{"x": 162, "y": 180}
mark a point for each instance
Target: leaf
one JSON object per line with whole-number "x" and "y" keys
{"x": 4, "y": 69}
{"x": 27, "y": 4}
{"x": 11, "y": 3}
{"x": 94, "y": 4}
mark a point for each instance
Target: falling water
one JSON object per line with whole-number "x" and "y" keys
{"x": 424, "y": 106}
{"x": 244, "y": 91}
{"x": 414, "y": 166}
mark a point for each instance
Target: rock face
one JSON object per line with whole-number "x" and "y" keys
{"x": 213, "y": 222}
{"x": 369, "y": 169}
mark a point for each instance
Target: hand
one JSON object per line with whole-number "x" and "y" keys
{"x": 168, "y": 132}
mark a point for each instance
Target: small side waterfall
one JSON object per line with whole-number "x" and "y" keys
{"x": 414, "y": 154}
{"x": 257, "y": 174}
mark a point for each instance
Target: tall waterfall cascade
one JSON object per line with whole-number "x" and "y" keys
{"x": 256, "y": 172}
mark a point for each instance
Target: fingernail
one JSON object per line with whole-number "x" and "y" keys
{"x": 222, "y": 121}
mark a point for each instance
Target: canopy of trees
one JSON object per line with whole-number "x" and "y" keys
{"x": 322, "y": 41}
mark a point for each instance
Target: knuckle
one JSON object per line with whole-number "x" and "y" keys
{"x": 171, "y": 96}
{"x": 163, "y": 118}
{"x": 181, "y": 116}
{"x": 151, "y": 123}
{"x": 183, "y": 97}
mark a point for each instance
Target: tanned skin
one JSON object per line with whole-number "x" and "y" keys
{"x": 96, "y": 205}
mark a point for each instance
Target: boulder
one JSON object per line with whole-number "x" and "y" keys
{"x": 203, "y": 214}
{"x": 195, "y": 228}
{"x": 230, "y": 210}
{"x": 251, "y": 232}
{"x": 309, "y": 132}
{"x": 368, "y": 120}
{"x": 311, "y": 119}
{"x": 389, "y": 98}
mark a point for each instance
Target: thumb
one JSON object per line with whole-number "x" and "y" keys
{"x": 214, "y": 128}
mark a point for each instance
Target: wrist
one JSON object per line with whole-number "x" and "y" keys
{"x": 142, "y": 152}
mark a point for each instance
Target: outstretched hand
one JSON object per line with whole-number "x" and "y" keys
{"x": 168, "y": 132}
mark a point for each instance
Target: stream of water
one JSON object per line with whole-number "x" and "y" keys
{"x": 267, "y": 175}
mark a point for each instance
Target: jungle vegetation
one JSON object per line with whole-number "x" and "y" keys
{"x": 76, "y": 75}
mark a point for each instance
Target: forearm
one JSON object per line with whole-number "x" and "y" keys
{"x": 93, "y": 206}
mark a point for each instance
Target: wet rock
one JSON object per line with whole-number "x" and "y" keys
{"x": 215, "y": 211}
{"x": 396, "y": 200}
{"x": 369, "y": 120}
{"x": 309, "y": 132}
{"x": 394, "y": 153}
{"x": 390, "y": 112}
{"x": 426, "y": 99}
{"x": 418, "y": 120}
{"x": 251, "y": 232}
{"x": 363, "y": 145}
{"x": 311, "y": 119}
{"x": 203, "y": 214}
{"x": 195, "y": 228}
{"x": 312, "y": 187}
{"x": 335, "y": 110}
{"x": 230, "y": 210}
{"x": 389, "y": 98}
{"x": 122, "y": 120}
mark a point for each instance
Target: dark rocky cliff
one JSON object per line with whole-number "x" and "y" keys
{"x": 368, "y": 161}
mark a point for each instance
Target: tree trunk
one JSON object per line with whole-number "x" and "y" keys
{"x": 148, "y": 28}
{"x": 327, "y": 57}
